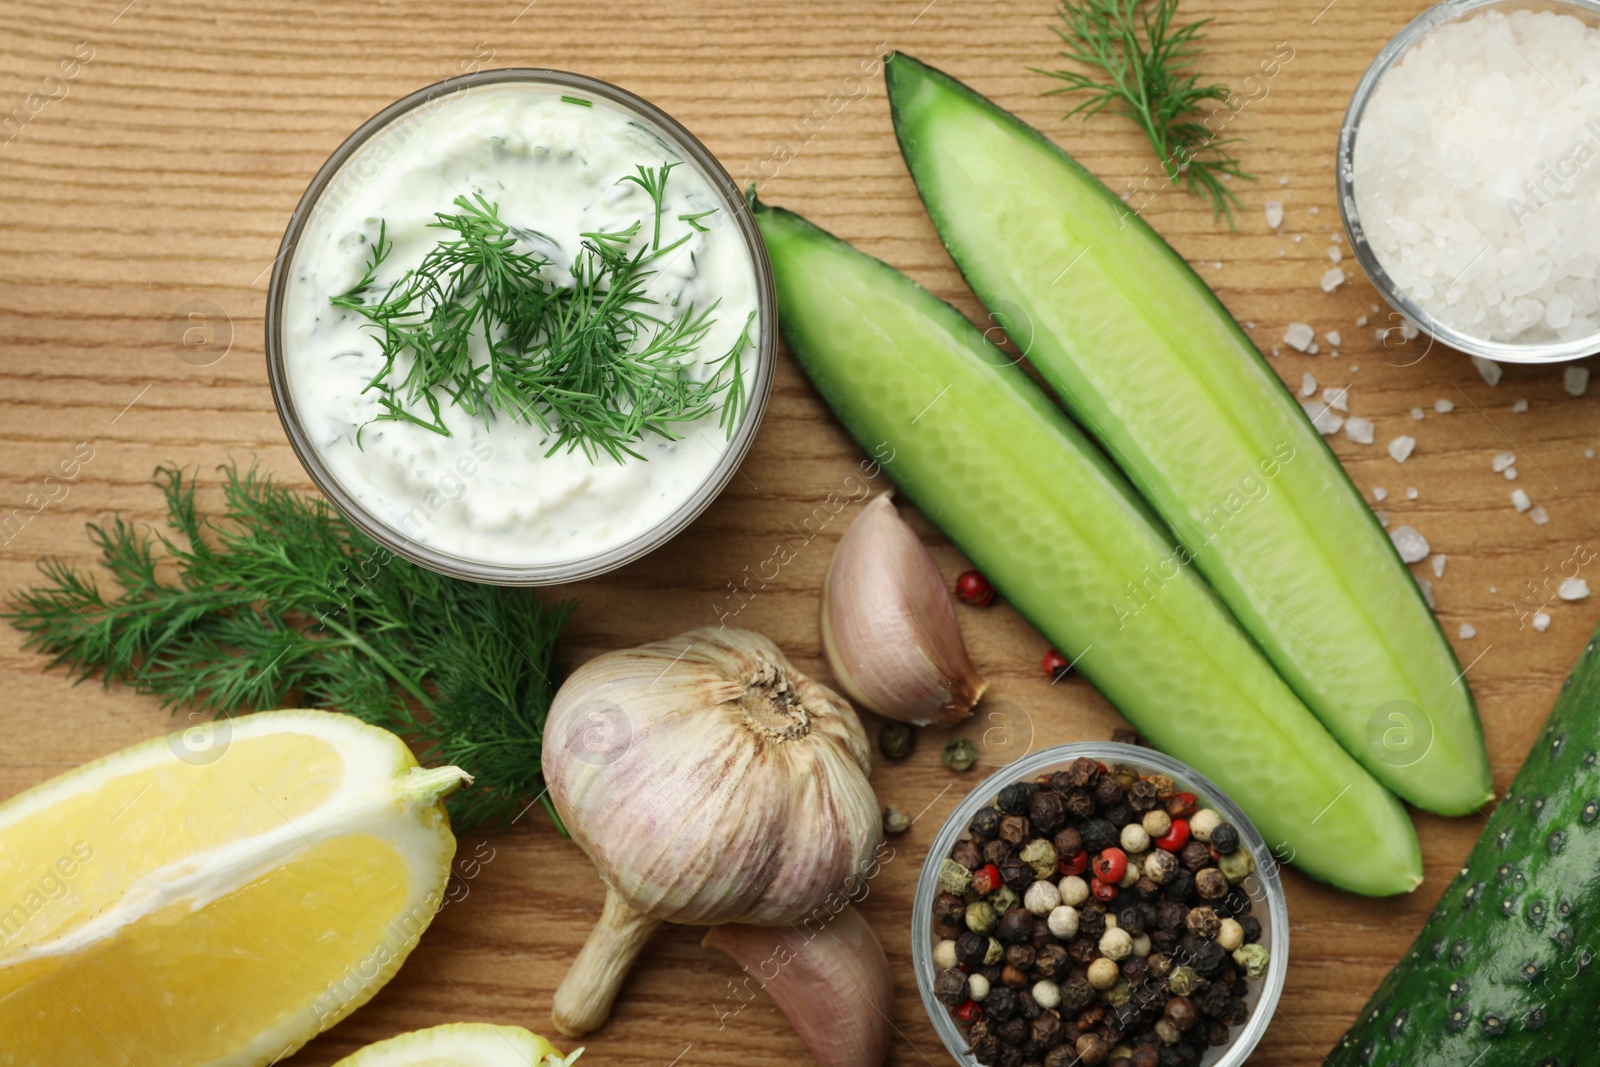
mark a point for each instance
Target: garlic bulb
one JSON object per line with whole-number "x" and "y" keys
{"x": 710, "y": 782}
{"x": 888, "y": 627}
{"x": 830, "y": 979}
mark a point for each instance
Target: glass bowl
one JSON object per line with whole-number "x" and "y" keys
{"x": 1392, "y": 53}
{"x": 1264, "y": 887}
{"x": 344, "y": 166}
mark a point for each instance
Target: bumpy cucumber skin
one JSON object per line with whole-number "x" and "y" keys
{"x": 1152, "y": 364}
{"x": 979, "y": 448}
{"x": 1502, "y": 973}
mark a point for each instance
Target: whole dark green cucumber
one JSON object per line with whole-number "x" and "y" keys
{"x": 1501, "y": 975}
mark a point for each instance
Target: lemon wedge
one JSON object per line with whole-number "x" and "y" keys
{"x": 218, "y": 897}
{"x": 462, "y": 1045}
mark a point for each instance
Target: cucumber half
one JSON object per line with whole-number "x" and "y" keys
{"x": 988, "y": 458}
{"x": 1149, "y": 361}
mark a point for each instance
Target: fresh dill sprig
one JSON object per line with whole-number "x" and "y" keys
{"x": 596, "y": 363}
{"x": 279, "y": 601}
{"x": 1142, "y": 61}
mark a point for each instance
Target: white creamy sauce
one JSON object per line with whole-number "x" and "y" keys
{"x": 489, "y": 493}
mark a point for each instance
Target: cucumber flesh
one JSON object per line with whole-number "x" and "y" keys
{"x": 993, "y": 463}
{"x": 1502, "y": 974}
{"x": 1151, "y": 364}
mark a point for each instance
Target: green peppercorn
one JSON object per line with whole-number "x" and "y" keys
{"x": 1041, "y": 856}
{"x": 1119, "y": 994}
{"x": 994, "y": 953}
{"x": 981, "y": 917}
{"x": 954, "y": 878}
{"x": 1254, "y": 960}
{"x": 896, "y": 740}
{"x": 895, "y": 821}
{"x": 1236, "y": 865}
{"x": 1183, "y": 980}
{"x": 960, "y": 754}
{"x": 1004, "y": 899}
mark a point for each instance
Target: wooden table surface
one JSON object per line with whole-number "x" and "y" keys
{"x": 154, "y": 186}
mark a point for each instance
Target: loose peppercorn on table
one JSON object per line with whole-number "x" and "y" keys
{"x": 145, "y": 196}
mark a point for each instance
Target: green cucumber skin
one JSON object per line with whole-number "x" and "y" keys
{"x": 1152, "y": 364}
{"x": 1523, "y": 899}
{"x": 994, "y": 464}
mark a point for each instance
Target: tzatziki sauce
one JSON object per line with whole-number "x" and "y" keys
{"x": 492, "y": 491}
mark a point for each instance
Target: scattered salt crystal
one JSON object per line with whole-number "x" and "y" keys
{"x": 1438, "y": 563}
{"x": 1402, "y": 447}
{"x": 1308, "y": 385}
{"x": 1575, "y": 380}
{"x": 1468, "y": 631}
{"x": 1502, "y": 460}
{"x": 1298, "y": 336}
{"x": 1443, "y": 407}
{"x": 1413, "y": 547}
{"x": 1383, "y": 518}
{"x": 1573, "y": 589}
{"x": 1312, "y": 210}
{"x": 1323, "y": 419}
{"x": 1416, "y": 413}
{"x": 1334, "y": 254}
{"x": 1274, "y": 214}
{"x": 1492, "y": 589}
{"x": 1359, "y": 430}
{"x": 1311, "y": 349}
{"x": 1332, "y": 279}
{"x": 1408, "y": 329}
{"x": 1427, "y": 592}
{"x": 1217, "y": 265}
{"x": 1511, "y": 474}
{"x": 1520, "y": 501}
{"x": 1283, "y": 181}
{"x": 1379, "y": 493}
{"x": 1361, "y": 320}
{"x": 1275, "y": 350}
{"x": 1338, "y": 399}
{"x": 1489, "y": 369}
{"x": 1411, "y": 492}
{"x": 1539, "y": 515}
{"x": 1588, "y": 453}
{"x": 1332, "y": 337}
{"x": 1541, "y": 621}
{"x": 1249, "y": 325}
{"x": 1296, "y": 238}
{"x": 1335, "y": 355}
{"x": 1519, "y": 407}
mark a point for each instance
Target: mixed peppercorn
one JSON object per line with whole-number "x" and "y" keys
{"x": 1096, "y": 916}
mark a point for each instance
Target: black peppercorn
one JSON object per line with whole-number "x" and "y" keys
{"x": 1203, "y": 922}
{"x": 1092, "y": 1049}
{"x": 1182, "y": 1013}
{"x": 1014, "y": 798}
{"x": 1215, "y": 1031}
{"x": 1211, "y": 884}
{"x": 1131, "y": 919}
{"x": 971, "y": 947}
{"x": 985, "y": 1048}
{"x": 1205, "y": 957}
{"x": 1062, "y": 1056}
{"x": 1180, "y": 886}
{"x": 1020, "y": 956}
{"x": 1235, "y": 903}
{"x": 1048, "y": 1030}
{"x": 1107, "y": 791}
{"x": 950, "y": 987}
{"x": 1145, "y": 889}
{"x": 1213, "y": 1000}
{"x": 1027, "y": 1005}
{"x": 1091, "y": 923}
{"x": 1011, "y": 1056}
{"x": 1099, "y": 834}
{"x": 1013, "y": 978}
{"x": 1160, "y": 964}
{"x": 896, "y": 740}
{"x": 1144, "y": 1056}
{"x": 986, "y": 823}
{"x": 1236, "y": 1012}
{"x": 1159, "y": 866}
{"x": 1042, "y": 935}
{"x": 996, "y": 851}
{"x": 1014, "y": 829}
{"x": 1083, "y": 773}
{"x": 1068, "y": 843}
{"x": 1224, "y": 839}
{"x": 1135, "y": 969}
{"x": 1195, "y": 855}
{"x": 1052, "y": 962}
{"x": 1080, "y": 802}
{"x": 1163, "y": 941}
{"x": 1001, "y": 1003}
{"x": 1018, "y": 875}
{"x": 1016, "y": 926}
{"x": 1120, "y": 814}
{"x": 968, "y": 854}
{"x": 1082, "y": 951}
{"x": 1142, "y": 797}
{"x": 1047, "y": 811}
{"x": 1251, "y": 927}
{"x": 1014, "y": 1031}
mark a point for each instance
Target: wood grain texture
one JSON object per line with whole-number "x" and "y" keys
{"x": 165, "y": 172}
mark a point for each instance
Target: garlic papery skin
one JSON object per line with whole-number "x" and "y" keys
{"x": 710, "y": 782}
{"x": 889, "y": 628}
{"x": 830, "y": 978}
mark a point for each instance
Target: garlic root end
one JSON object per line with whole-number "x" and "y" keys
{"x": 583, "y": 1001}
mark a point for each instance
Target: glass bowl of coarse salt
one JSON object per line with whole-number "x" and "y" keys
{"x": 1469, "y": 176}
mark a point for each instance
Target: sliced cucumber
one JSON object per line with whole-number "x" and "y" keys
{"x": 1503, "y": 974}
{"x": 989, "y": 459}
{"x": 1149, "y": 361}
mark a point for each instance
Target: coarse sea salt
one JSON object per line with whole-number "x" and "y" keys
{"x": 1333, "y": 338}
{"x": 1323, "y": 418}
{"x": 1299, "y": 336}
{"x": 1401, "y": 447}
{"x": 1468, "y": 631}
{"x": 1541, "y": 621}
{"x": 1360, "y": 431}
{"x": 1575, "y": 380}
{"x": 1438, "y": 563}
{"x": 1502, "y": 460}
{"x": 1520, "y": 501}
{"x": 1573, "y": 589}
{"x": 1411, "y": 492}
{"x": 1274, "y": 214}
{"x": 1488, "y": 369}
{"x": 1475, "y": 178}
{"x": 1539, "y": 515}
{"x": 1332, "y": 279}
{"x": 1379, "y": 493}
{"x": 1417, "y": 413}
{"x": 1413, "y": 547}
{"x": 1308, "y": 385}
{"x": 1519, "y": 407}
{"x": 1443, "y": 407}
{"x": 1338, "y": 399}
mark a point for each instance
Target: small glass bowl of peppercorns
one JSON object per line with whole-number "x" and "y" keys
{"x": 1099, "y": 905}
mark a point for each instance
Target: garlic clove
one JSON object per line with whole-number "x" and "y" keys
{"x": 831, "y": 983}
{"x": 889, "y": 628}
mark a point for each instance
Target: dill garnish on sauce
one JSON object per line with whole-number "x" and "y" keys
{"x": 595, "y": 362}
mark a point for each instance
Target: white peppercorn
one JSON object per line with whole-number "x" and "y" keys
{"x": 1115, "y": 944}
{"x": 1046, "y": 994}
{"x": 1130, "y": 877}
{"x": 1063, "y": 922}
{"x": 1167, "y": 1032}
{"x": 1041, "y": 898}
{"x": 1202, "y": 823}
{"x": 1141, "y": 945}
{"x": 1230, "y": 935}
{"x": 1074, "y": 890}
{"x": 1134, "y": 838}
{"x": 977, "y": 986}
{"x": 944, "y": 955}
{"x": 1156, "y": 823}
{"x": 1103, "y": 974}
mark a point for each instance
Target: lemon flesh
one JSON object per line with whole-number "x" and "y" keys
{"x": 215, "y": 905}
{"x": 460, "y": 1045}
